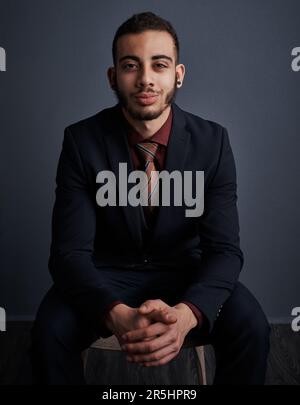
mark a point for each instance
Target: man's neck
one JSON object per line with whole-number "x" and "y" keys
{"x": 148, "y": 128}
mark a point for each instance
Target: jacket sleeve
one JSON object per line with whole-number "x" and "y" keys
{"x": 73, "y": 233}
{"x": 221, "y": 259}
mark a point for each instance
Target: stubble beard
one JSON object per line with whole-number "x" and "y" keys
{"x": 140, "y": 115}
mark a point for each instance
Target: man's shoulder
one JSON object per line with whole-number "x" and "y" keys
{"x": 92, "y": 122}
{"x": 199, "y": 125}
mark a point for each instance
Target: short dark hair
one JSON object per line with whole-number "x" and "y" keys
{"x": 143, "y": 22}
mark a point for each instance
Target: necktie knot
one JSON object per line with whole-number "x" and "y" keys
{"x": 147, "y": 150}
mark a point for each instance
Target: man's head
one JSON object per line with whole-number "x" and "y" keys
{"x": 146, "y": 72}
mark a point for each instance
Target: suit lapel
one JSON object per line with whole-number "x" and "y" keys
{"x": 119, "y": 152}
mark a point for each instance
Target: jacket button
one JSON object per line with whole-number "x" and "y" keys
{"x": 145, "y": 260}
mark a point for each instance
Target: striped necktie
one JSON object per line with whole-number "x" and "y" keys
{"x": 147, "y": 151}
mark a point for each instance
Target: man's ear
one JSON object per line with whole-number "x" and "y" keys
{"x": 111, "y": 75}
{"x": 180, "y": 72}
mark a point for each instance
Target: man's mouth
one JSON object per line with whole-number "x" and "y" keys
{"x": 146, "y": 98}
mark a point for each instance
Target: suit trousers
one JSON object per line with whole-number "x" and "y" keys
{"x": 240, "y": 335}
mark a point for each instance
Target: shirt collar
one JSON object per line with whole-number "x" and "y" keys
{"x": 161, "y": 136}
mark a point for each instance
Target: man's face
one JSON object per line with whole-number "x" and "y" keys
{"x": 145, "y": 73}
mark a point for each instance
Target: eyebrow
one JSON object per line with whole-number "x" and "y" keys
{"x": 155, "y": 57}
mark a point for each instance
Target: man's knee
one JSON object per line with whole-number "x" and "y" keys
{"x": 257, "y": 328}
{"x": 253, "y": 315}
{"x": 55, "y": 324}
{"x": 244, "y": 315}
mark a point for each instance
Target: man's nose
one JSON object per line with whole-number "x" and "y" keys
{"x": 145, "y": 77}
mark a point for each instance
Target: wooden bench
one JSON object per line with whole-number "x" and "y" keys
{"x": 121, "y": 365}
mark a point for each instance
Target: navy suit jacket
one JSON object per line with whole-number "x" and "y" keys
{"x": 86, "y": 237}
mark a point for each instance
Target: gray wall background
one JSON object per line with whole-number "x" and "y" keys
{"x": 238, "y": 60}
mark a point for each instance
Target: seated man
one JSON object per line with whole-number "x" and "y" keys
{"x": 111, "y": 254}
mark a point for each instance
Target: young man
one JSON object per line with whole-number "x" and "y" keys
{"x": 109, "y": 255}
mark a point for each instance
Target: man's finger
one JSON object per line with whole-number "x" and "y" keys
{"x": 156, "y": 350}
{"x": 154, "y": 304}
{"x": 163, "y": 316}
{"x": 145, "y": 309}
{"x": 160, "y": 315}
{"x": 150, "y": 331}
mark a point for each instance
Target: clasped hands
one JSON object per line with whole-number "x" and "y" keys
{"x": 152, "y": 334}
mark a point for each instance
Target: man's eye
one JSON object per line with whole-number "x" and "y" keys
{"x": 129, "y": 66}
{"x": 160, "y": 65}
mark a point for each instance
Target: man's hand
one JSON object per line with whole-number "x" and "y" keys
{"x": 158, "y": 343}
{"x": 123, "y": 318}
